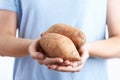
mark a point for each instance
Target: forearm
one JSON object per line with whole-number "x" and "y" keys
{"x": 14, "y": 47}
{"x": 109, "y": 48}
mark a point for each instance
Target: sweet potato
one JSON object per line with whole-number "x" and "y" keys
{"x": 77, "y": 36}
{"x": 57, "y": 45}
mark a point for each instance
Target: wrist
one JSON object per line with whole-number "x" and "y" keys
{"x": 87, "y": 47}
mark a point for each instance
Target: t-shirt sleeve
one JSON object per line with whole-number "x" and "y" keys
{"x": 8, "y": 5}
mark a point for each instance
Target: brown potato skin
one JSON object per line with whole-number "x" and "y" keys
{"x": 57, "y": 45}
{"x": 77, "y": 36}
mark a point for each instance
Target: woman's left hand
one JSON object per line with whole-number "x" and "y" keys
{"x": 76, "y": 66}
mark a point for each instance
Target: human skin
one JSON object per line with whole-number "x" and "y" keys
{"x": 9, "y": 43}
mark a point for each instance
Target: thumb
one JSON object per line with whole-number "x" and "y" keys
{"x": 33, "y": 50}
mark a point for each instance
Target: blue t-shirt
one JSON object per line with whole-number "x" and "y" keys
{"x": 36, "y": 16}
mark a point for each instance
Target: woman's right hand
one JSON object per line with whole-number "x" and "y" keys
{"x": 37, "y": 53}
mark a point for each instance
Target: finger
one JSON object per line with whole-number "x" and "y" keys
{"x": 50, "y": 61}
{"x": 77, "y": 63}
{"x": 77, "y": 67}
{"x": 84, "y": 53}
{"x": 33, "y": 51}
{"x": 37, "y": 55}
{"x": 33, "y": 46}
{"x": 81, "y": 50}
{"x": 52, "y": 66}
{"x": 67, "y": 68}
{"x": 65, "y": 63}
{"x": 84, "y": 56}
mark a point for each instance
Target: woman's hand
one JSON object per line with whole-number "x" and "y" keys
{"x": 72, "y": 66}
{"x": 37, "y": 53}
{"x": 57, "y": 64}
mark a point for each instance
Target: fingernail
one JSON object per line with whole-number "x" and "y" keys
{"x": 61, "y": 60}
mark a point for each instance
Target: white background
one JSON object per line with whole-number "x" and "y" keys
{"x": 6, "y": 68}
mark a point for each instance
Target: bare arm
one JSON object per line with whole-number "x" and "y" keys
{"x": 9, "y": 44}
{"x": 109, "y": 48}
{"x": 18, "y": 47}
